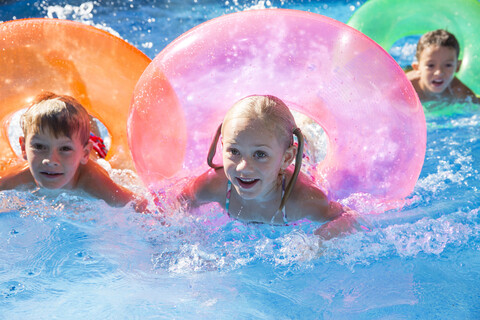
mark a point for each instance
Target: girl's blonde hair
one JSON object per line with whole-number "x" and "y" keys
{"x": 62, "y": 115}
{"x": 278, "y": 118}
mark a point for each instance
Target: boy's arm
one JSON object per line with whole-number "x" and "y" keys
{"x": 95, "y": 180}
{"x": 16, "y": 176}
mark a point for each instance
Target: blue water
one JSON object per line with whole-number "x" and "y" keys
{"x": 68, "y": 257}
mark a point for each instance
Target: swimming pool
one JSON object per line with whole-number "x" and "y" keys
{"x": 70, "y": 257}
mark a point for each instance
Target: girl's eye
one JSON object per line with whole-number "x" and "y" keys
{"x": 260, "y": 154}
{"x": 449, "y": 65}
{"x": 233, "y": 151}
{"x": 430, "y": 66}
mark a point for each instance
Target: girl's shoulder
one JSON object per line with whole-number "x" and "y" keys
{"x": 307, "y": 200}
{"x": 211, "y": 186}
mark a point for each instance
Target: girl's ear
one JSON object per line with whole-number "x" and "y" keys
{"x": 22, "y": 146}
{"x": 289, "y": 156}
{"x": 86, "y": 152}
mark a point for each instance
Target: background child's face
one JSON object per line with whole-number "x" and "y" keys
{"x": 436, "y": 66}
{"x": 54, "y": 161}
{"x": 253, "y": 157}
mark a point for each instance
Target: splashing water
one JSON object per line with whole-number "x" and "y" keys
{"x": 65, "y": 255}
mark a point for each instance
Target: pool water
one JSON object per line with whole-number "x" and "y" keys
{"x": 64, "y": 256}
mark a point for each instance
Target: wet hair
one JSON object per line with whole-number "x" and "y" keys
{"x": 278, "y": 118}
{"x": 62, "y": 115}
{"x": 441, "y": 38}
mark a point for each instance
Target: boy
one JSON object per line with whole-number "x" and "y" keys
{"x": 433, "y": 74}
{"x": 55, "y": 143}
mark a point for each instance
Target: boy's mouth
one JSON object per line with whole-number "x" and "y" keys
{"x": 247, "y": 183}
{"x": 437, "y": 82}
{"x": 50, "y": 174}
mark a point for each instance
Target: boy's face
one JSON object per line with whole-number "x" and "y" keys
{"x": 53, "y": 161}
{"x": 436, "y": 67}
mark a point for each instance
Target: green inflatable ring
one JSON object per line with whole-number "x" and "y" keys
{"x": 386, "y": 21}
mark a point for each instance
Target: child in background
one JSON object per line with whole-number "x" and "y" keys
{"x": 433, "y": 74}
{"x": 55, "y": 143}
{"x": 256, "y": 182}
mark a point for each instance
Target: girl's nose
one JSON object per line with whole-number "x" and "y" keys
{"x": 244, "y": 165}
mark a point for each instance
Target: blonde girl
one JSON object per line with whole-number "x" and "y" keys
{"x": 257, "y": 182}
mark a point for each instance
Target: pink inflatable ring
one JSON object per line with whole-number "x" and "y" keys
{"x": 320, "y": 67}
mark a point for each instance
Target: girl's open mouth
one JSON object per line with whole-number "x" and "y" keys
{"x": 246, "y": 182}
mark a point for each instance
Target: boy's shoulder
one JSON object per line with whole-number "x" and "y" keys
{"x": 461, "y": 91}
{"x": 16, "y": 176}
{"x": 412, "y": 75}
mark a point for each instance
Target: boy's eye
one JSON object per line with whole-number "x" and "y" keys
{"x": 260, "y": 154}
{"x": 38, "y": 146}
{"x": 66, "y": 148}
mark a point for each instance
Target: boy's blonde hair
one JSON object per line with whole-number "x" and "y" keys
{"x": 441, "y": 38}
{"x": 277, "y": 117}
{"x": 62, "y": 115}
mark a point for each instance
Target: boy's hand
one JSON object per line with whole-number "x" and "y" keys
{"x": 140, "y": 205}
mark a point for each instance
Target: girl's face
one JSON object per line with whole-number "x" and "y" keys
{"x": 253, "y": 157}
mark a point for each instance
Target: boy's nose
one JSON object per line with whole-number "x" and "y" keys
{"x": 51, "y": 160}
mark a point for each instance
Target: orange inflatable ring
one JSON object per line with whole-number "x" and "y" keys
{"x": 71, "y": 58}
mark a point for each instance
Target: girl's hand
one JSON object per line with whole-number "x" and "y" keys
{"x": 345, "y": 224}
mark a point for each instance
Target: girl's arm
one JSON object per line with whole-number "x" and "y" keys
{"x": 315, "y": 206}
{"x": 343, "y": 222}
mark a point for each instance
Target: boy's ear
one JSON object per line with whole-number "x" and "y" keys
{"x": 22, "y": 146}
{"x": 415, "y": 65}
{"x": 459, "y": 64}
{"x": 289, "y": 156}
{"x": 86, "y": 152}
